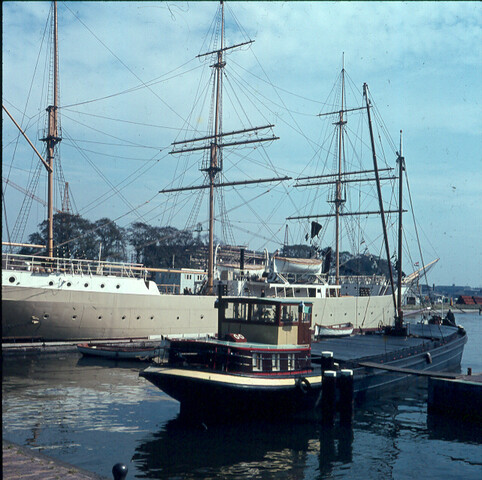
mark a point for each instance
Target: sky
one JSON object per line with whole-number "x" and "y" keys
{"x": 131, "y": 85}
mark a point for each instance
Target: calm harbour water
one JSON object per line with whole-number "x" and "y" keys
{"x": 93, "y": 414}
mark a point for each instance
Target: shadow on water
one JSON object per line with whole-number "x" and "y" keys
{"x": 238, "y": 450}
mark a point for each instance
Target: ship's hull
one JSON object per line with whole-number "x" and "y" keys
{"x": 70, "y": 307}
{"x": 211, "y": 394}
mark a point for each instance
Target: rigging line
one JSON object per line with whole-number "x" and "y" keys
{"x": 257, "y": 234}
{"x": 5, "y": 216}
{"x": 123, "y": 145}
{"x": 280, "y": 88}
{"x": 247, "y": 97}
{"x": 226, "y": 93}
{"x": 120, "y": 186}
{"x": 200, "y": 93}
{"x": 298, "y": 130}
{"x": 29, "y": 91}
{"x": 148, "y": 84}
{"x": 101, "y": 131}
{"x": 282, "y": 106}
{"x": 171, "y": 208}
{"x": 381, "y": 122}
{"x": 415, "y": 224}
{"x": 240, "y": 27}
{"x": 112, "y": 156}
{"x": 120, "y": 61}
{"x": 106, "y": 180}
{"x": 121, "y": 120}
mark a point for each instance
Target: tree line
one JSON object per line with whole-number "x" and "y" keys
{"x": 77, "y": 237}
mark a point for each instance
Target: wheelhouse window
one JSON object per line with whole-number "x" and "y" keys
{"x": 289, "y": 313}
{"x": 306, "y": 314}
{"x": 263, "y": 313}
{"x": 237, "y": 311}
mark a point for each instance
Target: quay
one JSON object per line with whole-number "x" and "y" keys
{"x": 459, "y": 398}
{"x": 21, "y": 463}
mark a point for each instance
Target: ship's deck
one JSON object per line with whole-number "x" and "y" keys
{"x": 358, "y": 347}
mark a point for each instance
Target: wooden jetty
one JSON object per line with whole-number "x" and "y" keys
{"x": 19, "y": 462}
{"x": 459, "y": 398}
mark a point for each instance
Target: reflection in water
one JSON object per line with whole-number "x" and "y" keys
{"x": 454, "y": 430}
{"x": 241, "y": 450}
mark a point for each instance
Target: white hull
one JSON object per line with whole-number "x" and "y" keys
{"x": 63, "y": 315}
{"x": 61, "y": 305}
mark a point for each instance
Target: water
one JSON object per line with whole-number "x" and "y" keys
{"x": 93, "y": 414}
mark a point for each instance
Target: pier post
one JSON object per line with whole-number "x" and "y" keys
{"x": 327, "y": 361}
{"x": 345, "y": 387}
{"x": 328, "y": 397}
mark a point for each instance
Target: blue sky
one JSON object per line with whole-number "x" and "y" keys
{"x": 421, "y": 60}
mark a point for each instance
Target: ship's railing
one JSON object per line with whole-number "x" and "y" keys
{"x": 34, "y": 263}
{"x": 362, "y": 279}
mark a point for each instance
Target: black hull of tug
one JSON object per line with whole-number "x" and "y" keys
{"x": 207, "y": 395}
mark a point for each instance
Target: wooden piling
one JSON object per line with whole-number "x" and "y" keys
{"x": 346, "y": 397}
{"x": 328, "y": 397}
{"x": 327, "y": 361}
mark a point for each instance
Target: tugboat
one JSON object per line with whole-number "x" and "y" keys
{"x": 259, "y": 365}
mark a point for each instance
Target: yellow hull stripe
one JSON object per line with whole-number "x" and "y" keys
{"x": 232, "y": 379}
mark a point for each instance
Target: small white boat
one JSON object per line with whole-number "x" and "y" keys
{"x": 337, "y": 330}
{"x": 122, "y": 351}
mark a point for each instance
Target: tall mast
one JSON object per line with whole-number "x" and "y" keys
{"x": 401, "y": 168}
{"x": 338, "y": 198}
{"x": 52, "y": 137}
{"x": 379, "y": 190}
{"x": 215, "y": 146}
{"x": 215, "y": 155}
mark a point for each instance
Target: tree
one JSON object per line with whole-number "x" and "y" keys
{"x": 112, "y": 238}
{"x": 73, "y": 236}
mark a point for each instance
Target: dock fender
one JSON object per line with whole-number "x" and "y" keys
{"x": 303, "y": 384}
{"x": 428, "y": 357}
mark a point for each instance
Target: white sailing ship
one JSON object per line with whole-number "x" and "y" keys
{"x": 60, "y": 299}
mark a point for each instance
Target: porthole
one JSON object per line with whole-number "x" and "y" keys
{"x": 12, "y": 279}
{"x": 51, "y": 283}
{"x": 138, "y": 318}
{"x": 117, "y": 286}
{"x": 86, "y": 285}
{"x": 46, "y": 315}
{"x": 152, "y": 317}
{"x": 100, "y": 317}
{"x": 102, "y": 285}
{"x": 123, "y": 317}
{"x": 69, "y": 284}
{"x": 74, "y": 317}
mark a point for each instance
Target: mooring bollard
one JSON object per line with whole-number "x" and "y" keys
{"x": 328, "y": 397}
{"x": 119, "y": 470}
{"x": 345, "y": 387}
{"x": 327, "y": 361}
